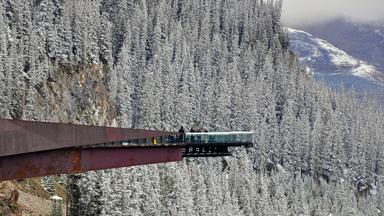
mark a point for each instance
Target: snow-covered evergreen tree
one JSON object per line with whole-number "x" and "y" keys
{"x": 224, "y": 64}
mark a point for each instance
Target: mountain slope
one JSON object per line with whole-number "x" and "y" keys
{"x": 361, "y": 40}
{"x": 325, "y": 58}
{"x": 333, "y": 65}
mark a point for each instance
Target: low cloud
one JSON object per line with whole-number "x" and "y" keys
{"x": 309, "y": 11}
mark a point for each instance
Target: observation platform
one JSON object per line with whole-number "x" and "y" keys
{"x": 32, "y": 149}
{"x": 210, "y": 144}
{"x": 200, "y": 144}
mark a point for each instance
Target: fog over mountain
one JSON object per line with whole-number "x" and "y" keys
{"x": 304, "y": 11}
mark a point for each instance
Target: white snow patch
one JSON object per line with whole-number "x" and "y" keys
{"x": 280, "y": 168}
{"x": 338, "y": 56}
{"x": 56, "y": 198}
{"x": 342, "y": 59}
{"x": 295, "y": 31}
{"x": 364, "y": 70}
{"x": 309, "y": 70}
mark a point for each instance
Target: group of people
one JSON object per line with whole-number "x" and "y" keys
{"x": 194, "y": 130}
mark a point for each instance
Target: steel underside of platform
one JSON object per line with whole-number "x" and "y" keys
{"x": 32, "y": 149}
{"x": 65, "y": 161}
{"x": 18, "y": 137}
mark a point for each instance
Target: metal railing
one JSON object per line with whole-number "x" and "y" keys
{"x": 200, "y": 138}
{"x": 219, "y": 137}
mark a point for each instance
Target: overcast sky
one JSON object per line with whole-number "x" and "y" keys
{"x": 308, "y": 11}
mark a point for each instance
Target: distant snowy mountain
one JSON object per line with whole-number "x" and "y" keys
{"x": 325, "y": 58}
{"x": 363, "y": 41}
{"x": 334, "y": 65}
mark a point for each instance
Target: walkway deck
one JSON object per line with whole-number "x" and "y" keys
{"x": 31, "y": 149}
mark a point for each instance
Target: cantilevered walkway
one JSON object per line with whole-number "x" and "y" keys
{"x": 32, "y": 149}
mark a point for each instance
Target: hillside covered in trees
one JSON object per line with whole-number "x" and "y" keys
{"x": 167, "y": 63}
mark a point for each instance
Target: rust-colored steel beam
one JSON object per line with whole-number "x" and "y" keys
{"x": 19, "y": 137}
{"x": 77, "y": 160}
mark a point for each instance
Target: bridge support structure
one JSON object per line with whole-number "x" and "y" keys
{"x": 33, "y": 149}
{"x": 79, "y": 160}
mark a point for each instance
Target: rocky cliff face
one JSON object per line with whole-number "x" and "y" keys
{"x": 70, "y": 94}
{"x": 8, "y": 197}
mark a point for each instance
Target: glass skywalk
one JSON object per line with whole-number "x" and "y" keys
{"x": 196, "y": 144}
{"x": 235, "y": 138}
{"x": 238, "y": 137}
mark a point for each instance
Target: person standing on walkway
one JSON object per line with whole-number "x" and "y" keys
{"x": 182, "y": 134}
